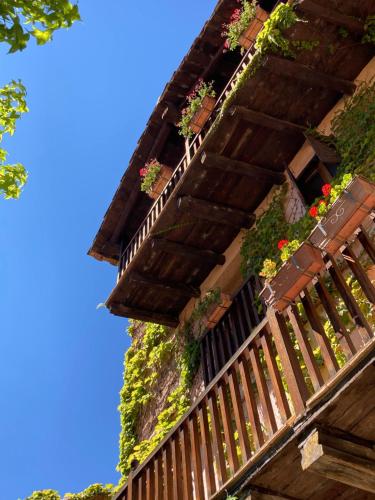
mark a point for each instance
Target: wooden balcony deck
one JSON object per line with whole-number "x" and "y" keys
{"x": 231, "y": 166}
{"x": 297, "y": 374}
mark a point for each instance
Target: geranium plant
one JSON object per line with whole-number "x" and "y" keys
{"x": 330, "y": 195}
{"x": 195, "y": 100}
{"x": 239, "y": 21}
{"x": 149, "y": 174}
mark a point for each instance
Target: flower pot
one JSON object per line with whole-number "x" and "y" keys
{"x": 345, "y": 215}
{"x": 162, "y": 180}
{"x": 217, "y": 311}
{"x": 292, "y": 277}
{"x": 202, "y": 115}
{"x": 248, "y": 37}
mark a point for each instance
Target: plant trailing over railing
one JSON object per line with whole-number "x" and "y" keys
{"x": 369, "y": 36}
{"x": 239, "y": 21}
{"x": 143, "y": 361}
{"x": 149, "y": 174}
{"x": 195, "y": 100}
{"x": 44, "y": 495}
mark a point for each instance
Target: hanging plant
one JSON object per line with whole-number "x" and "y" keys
{"x": 149, "y": 174}
{"x": 201, "y": 102}
{"x": 244, "y": 25}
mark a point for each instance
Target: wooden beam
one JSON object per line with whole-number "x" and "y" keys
{"x": 175, "y": 248}
{"x": 263, "y": 120}
{"x": 171, "y": 114}
{"x": 326, "y": 154}
{"x": 213, "y": 212}
{"x": 312, "y": 77}
{"x": 340, "y": 458}
{"x": 332, "y": 16}
{"x": 143, "y": 315}
{"x": 225, "y": 164}
{"x": 164, "y": 285}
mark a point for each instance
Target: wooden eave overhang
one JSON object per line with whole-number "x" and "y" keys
{"x": 207, "y": 46}
{"x": 256, "y": 136}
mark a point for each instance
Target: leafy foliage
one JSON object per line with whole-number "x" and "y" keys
{"x": 22, "y": 19}
{"x": 12, "y": 106}
{"x": 240, "y": 20}
{"x": 369, "y": 36}
{"x": 44, "y": 495}
{"x": 149, "y": 175}
{"x": 195, "y": 99}
{"x": 94, "y": 492}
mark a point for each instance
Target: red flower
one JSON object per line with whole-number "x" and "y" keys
{"x": 313, "y": 211}
{"x": 281, "y": 244}
{"x": 326, "y": 189}
{"x": 226, "y": 44}
{"x": 322, "y": 202}
{"x": 143, "y": 172}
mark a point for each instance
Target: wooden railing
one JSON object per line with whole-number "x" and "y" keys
{"x": 286, "y": 360}
{"x": 191, "y": 149}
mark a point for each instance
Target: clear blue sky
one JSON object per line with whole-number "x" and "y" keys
{"x": 90, "y": 93}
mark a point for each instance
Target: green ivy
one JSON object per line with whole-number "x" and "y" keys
{"x": 94, "y": 492}
{"x": 369, "y": 36}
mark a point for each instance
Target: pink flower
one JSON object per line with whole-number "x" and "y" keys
{"x": 143, "y": 172}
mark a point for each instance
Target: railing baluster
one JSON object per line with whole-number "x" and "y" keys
{"x": 186, "y": 462}
{"x": 293, "y": 374}
{"x": 150, "y": 485}
{"x": 158, "y": 470}
{"x": 221, "y": 391}
{"x": 367, "y": 244}
{"x": 167, "y": 467}
{"x": 348, "y": 298}
{"x": 250, "y": 402}
{"x": 305, "y": 346}
{"x": 176, "y": 464}
{"x": 239, "y": 415}
{"x": 197, "y": 460}
{"x": 207, "y": 448}
{"x": 277, "y": 383}
{"x": 324, "y": 344}
{"x": 360, "y": 274}
{"x": 330, "y": 307}
{"x": 263, "y": 392}
{"x": 217, "y": 439}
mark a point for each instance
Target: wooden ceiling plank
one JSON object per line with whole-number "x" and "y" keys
{"x": 264, "y": 120}
{"x": 143, "y": 315}
{"x": 175, "y": 248}
{"x": 214, "y": 212}
{"x": 310, "y": 76}
{"x": 225, "y": 164}
{"x": 332, "y": 16}
{"x": 164, "y": 285}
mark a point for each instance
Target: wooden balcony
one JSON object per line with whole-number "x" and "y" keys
{"x": 261, "y": 424}
{"x": 230, "y": 167}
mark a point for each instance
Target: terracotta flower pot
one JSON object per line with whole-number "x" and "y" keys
{"x": 217, "y": 311}
{"x": 248, "y": 36}
{"x": 292, "y": 277}
{"x": 345, "y": 215}
{"x": 202, "y": 115}
{"x": 162, "y": 180}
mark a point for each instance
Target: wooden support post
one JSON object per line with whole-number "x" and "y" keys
{"x": 143, "y": 315}
{"x": 332, "y": 16}
{"x": 340, "y": 458}
{"x": 171, "y": 114}
{"x": 225, "y": 164}
{"x": 263, "y": 120}
{"x": 213, "y": 212}
{"x": 310, "y": 76}
{"x": 326, "y": 154}
{"x": 175, "y": 248}
{"x": 165, "y": 286}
